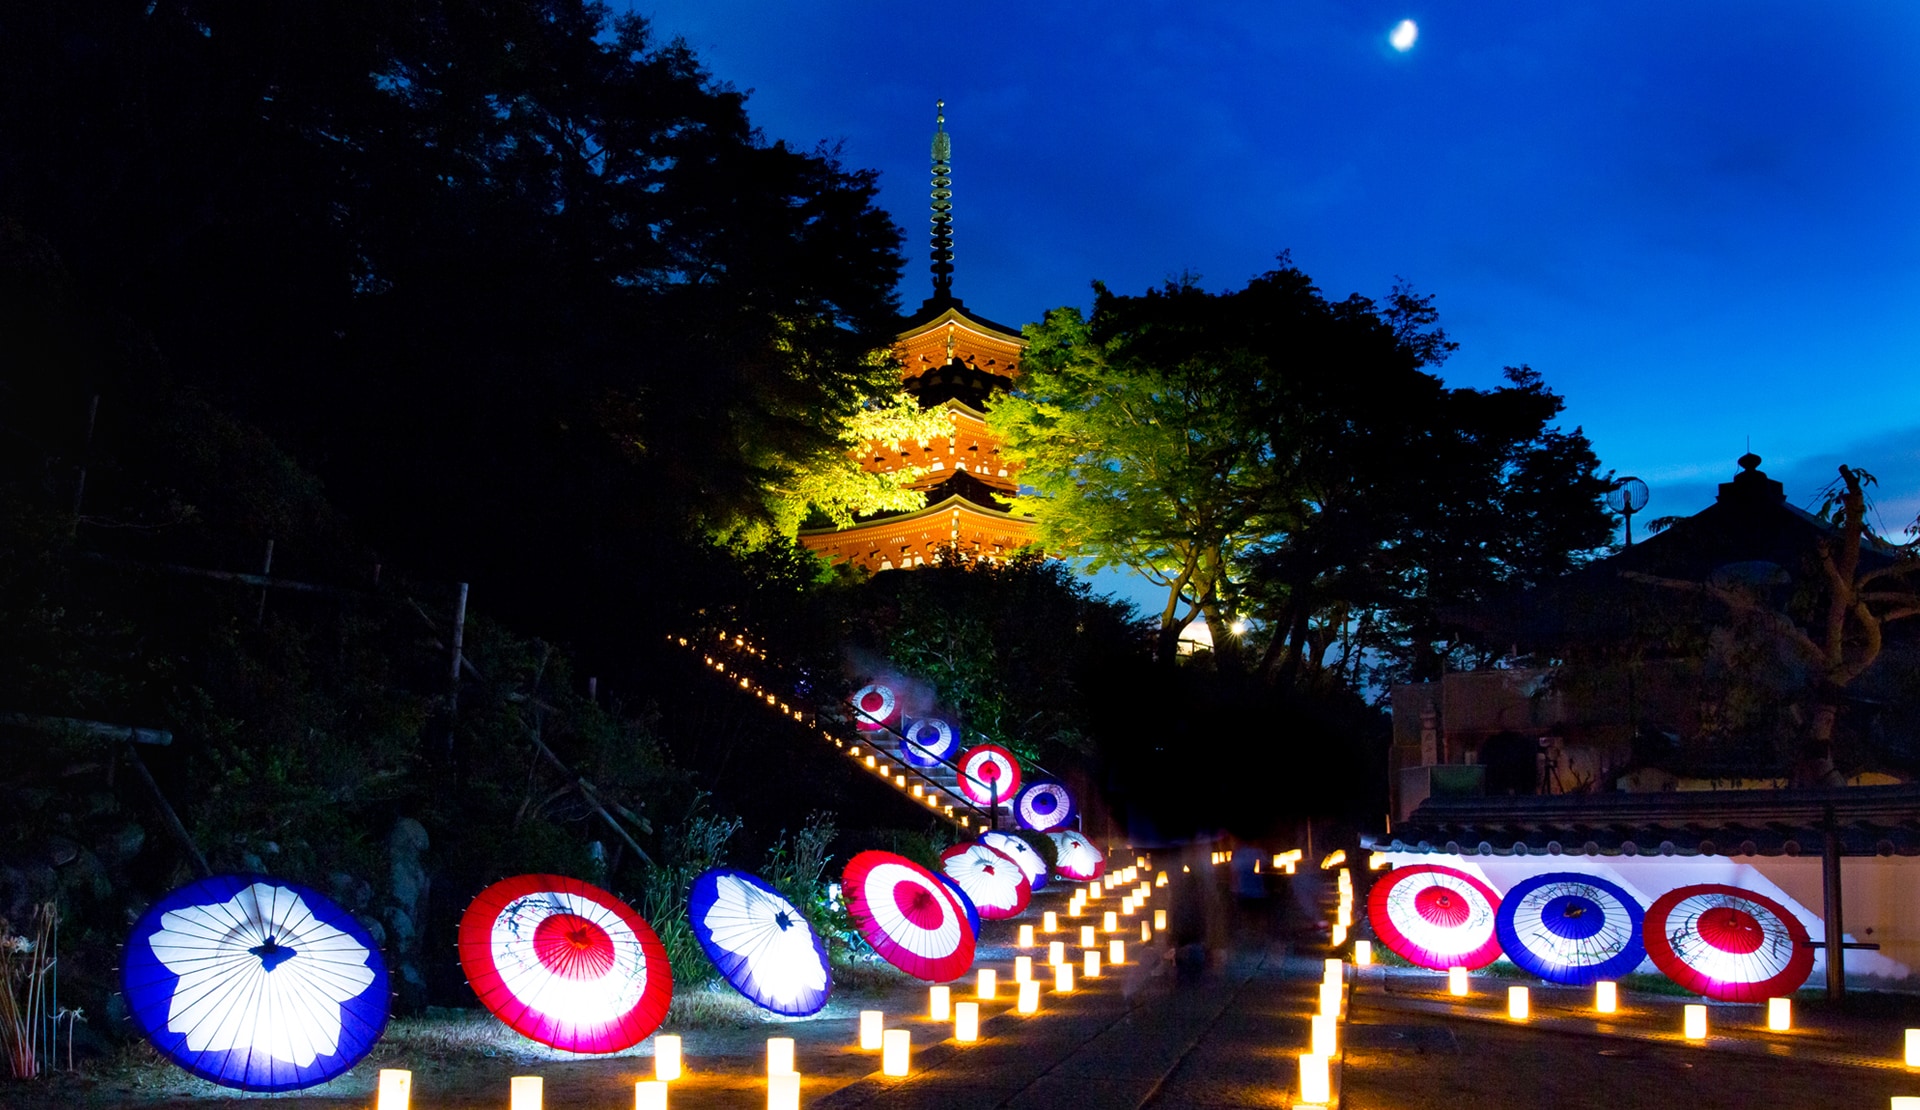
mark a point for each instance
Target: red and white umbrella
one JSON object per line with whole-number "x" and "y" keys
{"x": 908, "y": 916}
{"x": 876, "y": 706}
{"x": 989, "y": 775}
{"x": 992, "y": 878}
{"x": 1728, "y": 943}
{"x": 1436, "y": 917}
{"x": 1075, "y": 857}
{"x": 1021, "y": 852}
{"x": 565, "y": 963}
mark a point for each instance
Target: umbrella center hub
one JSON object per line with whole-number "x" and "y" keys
{"x": 573, "y": 947}
{"x": 784, "y": 920}
{"x": 1731, "y": 930}
{"x": 918, "y": 905}
{"x": 1573, "y": 917}
{"x": 1442, "y": 907}
{"x": 272, "y": 953}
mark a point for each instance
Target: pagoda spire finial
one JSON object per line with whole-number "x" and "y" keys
{"x": 942, "y": 205}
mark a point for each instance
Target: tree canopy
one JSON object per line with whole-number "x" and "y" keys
{"x": 1270, "y": 456}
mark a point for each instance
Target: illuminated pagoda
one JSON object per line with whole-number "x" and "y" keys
{"x": 952, "y": 360}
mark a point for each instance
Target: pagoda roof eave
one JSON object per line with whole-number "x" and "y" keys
{"x": 937, "y": 311}
{"x": 939, "y": 508}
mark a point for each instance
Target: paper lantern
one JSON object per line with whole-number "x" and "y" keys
{"x": 1093, "y": 963}
{"x": 666, "y": 1057}
{"x": 783, "y": 1091}
{"x": 1146, "y": 932}
{"x": 396, "y": 1087}
{"x": 779, "y": 1055}
{"x": 650, "y": 1094}
{"x": 1022, "y": 968}
{"x": 1316, "y": 1080}
{"x": 987, "y": 981}
{"x": 1606, "y": 997}
{"x": 1110, "y": 923}
{"x": 1457, "y": 982}
{"x": 1026, "y": 937}
{"x": 1160, "y": 879}
{"x": 1325, "y": 1036}
{"x": 1906, "y": 1102}
{"x": 870, "y": 1027}
{"x": 1518, "y": 1005}
{"x": 896, "y": 1047}
{"x": 1063, "y": 979}
{"x": 1029, "y": 997}
{"x": 1093, "y": 890}
{"x": 1339, "y": 934}
{"x": 1086, "y": 937}
{"x": 966, "y": 1022}
{"x": 1116, "y": 952}
{"x": 524, "y": 1092}
{"x": 1694, "y": 1023}
{"x": 1050, "y": 922}
{"x": 1363, "y": 953}
{"x": 1333, "y": 969}
{"x": 1779, "y": 1014}
{"x": 1913, "y": 1048}
{"x": 939, "y": 1003}
{"x": 1330, "y": 997}
{"x": 1057, "y": 953}
{"x": 1160, "y": 919}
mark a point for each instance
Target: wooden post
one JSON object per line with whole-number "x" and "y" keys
{"x": 1835, "y": 933}
{"x": 266, "y": 570}
{"x": 453, "y": 679}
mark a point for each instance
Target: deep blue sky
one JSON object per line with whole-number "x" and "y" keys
{"x": 1700, "y": 221}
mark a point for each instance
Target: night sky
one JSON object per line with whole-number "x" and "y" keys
{"x": 1700, "y": 221}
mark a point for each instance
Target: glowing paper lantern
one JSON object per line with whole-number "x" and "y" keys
{"x": 1057, "y": 953}
{"x": 1727, "y": 943}
{"x": 1110, "y": 923}
{"x": 524, "y": 1092}
{"x": 1043, "y": 806}
{"x": 1333, "y": 969}
{"x": 1026, "y": 937}
{"x": 986, "y": 983}
{"x": 1063, "y": 979}
{"x": 1029, "y": 997}
{"x": 666, "y": 1057}
{"x": 1779, "y": 1014}
{"x": 1570, "y": 928}
{"x": 1906, "y": 1102}
{"x": 939, "y": 1003}
{"x": 872, "y": 1023}
{"x": 1694, "y": 1024}
{"x": 565, "y": 963}
{"x": 1019, "y": 851}
{"x": 875, "y": 706}
{"x": 895, "y": 1047}
{"x": 907, "y": 916}
{"x": 649, "y": 1094}
{"x": 779, "y": 1055}
{"x": 1913, "y": 1048}
{"x": 1457, "y": 982}
{"x": 760, "y": 942}
{"x": 1436, "y": 917}
{"x": 783, "y": 1091}
{"x": 1518, "y": 1005}
{"x": 1160, "y": 879}
{"x": 1316, "y": 1080}
{"x": 966, "y": 1022}
{"x": 928, "y": 742}
{"x": 1086, "y": 937}
{"x": 255, "y": 983}
{"x": 995, "y": 883}
{"x": 1116, "y": 952}
{"x": 396, "y": 1089}
{"x": 1022, "y": 968}
{"x": 1326, "y": 1041}
{"x": 1330, "y": 998}
{"x": 1146, "y": 932}
{"x": 1363, "y": 953}
{"x": 1092, "y": 957}
{"x": 1160, "y": 919}
{"x": 1077, "y": 858}
{"x": 989, "y": 775}
{"x": 1049, "y": 922}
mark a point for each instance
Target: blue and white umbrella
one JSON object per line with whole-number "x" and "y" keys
{"x": 928, "y": 741}
{"x": 966, "y": 901}
{"x": 763, "y": 946}
{"x": 1572, "y": 928}
{"x": 255, "y": 982}
{"x": 1021, "y": 852}
{"x": 1043, "y": 806}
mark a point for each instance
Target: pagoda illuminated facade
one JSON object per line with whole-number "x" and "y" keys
{"x": 955, "y": 361}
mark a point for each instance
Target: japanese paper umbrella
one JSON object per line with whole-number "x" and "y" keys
{"x": 1570, "y": 928}
{"x": 1435, "y": 917}
{"x": 927, "y": 741}
{"x": 993, "y": 879}
{"x": 908, "y": 916}
{"x": 255, "y": 982}
{"x": 763, "y": 946}
{"x": 1075, "y": 857}
{"x": 565, "y": 963}
{"x": 989, "y": 774}
{"x": 1043, "y": 806}
{"x": 1021, "y": 853}
{"x": 1728, "y": 943}
{"x": 966, "y": 903}
{"x": 875, "y": 706}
